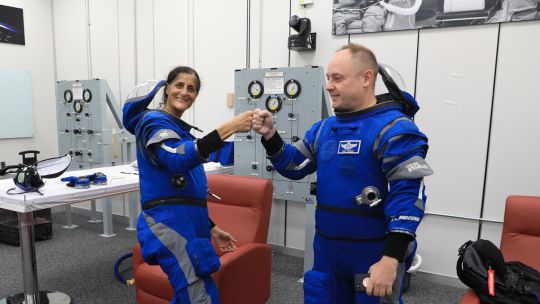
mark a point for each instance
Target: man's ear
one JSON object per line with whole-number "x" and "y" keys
{"x": 369, "y": 76}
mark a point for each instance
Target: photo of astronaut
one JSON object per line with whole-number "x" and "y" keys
{"x": 11, "y": 25}
{"x": 366, "y": 16}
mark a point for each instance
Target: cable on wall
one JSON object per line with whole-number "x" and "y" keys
{"x": 248, "y": 33}
{"x": 289, "y": 29}
{"x": 55, "y": 61}
{"x": 261, "y": 22}
{"x": 88, "y": 40}
{"x": 154, "y": 39}
{"x": 416, "y": 67}
{"x": 489, "y": 133}
{"x": 118, "y": 47}
{"x": 135, "y": 54}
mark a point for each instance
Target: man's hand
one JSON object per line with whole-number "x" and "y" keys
{"x": 223, "y": 240}
{"x": 381, "y": 277}
{"x": 263, "y": 123}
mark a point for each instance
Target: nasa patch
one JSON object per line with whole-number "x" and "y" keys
{"x": 349, "y": 147}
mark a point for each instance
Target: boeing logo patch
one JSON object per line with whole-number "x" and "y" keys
{"x": 349, "y": 147}
{"x": 415, "y": 166}
{"x": 164, "y": 133}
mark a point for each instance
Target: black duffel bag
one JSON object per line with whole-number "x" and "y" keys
{"x": 512, "y": 282}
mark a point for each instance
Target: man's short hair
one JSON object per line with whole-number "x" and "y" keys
{"x": 362, "y": 55}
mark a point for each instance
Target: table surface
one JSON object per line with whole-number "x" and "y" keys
{"x": 120, "y": 179}
{"x": 56, "y": 193}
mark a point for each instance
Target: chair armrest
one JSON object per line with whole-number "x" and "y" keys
{"x": 470, "y": 298}
{"x": 245, "y": 274}
{"x": 137, "y": 258}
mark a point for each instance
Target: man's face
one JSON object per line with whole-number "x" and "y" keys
{"x": 347, "y": 83}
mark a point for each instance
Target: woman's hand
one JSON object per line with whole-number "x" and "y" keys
{"x": 223, "y": 240}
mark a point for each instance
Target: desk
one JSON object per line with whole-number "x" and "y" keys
{"x": 121, "y": 179}
{"x": 55, "y": 193}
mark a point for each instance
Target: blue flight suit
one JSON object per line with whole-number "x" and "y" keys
{"x": 370, "y": 167}
{"x": 173, "y": 228}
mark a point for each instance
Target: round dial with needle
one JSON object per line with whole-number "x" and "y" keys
{"x": 78, "y": 106}
{"x": 68, "y": 96}
{"x": 255, "y": 89}
{"x": 273, "y": 103}
{"x": 292, "y": 88}
{"x": 87, "y": 95}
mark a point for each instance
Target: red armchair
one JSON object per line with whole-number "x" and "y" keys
{"x": 520, "y": 239}
{"x": 244, "y": 275}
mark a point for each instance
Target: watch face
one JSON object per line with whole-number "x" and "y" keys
{"x": 273, "y": 103}
{"x": 77, "y": 106}
{"x": 292, "y": 88}
{"x": 68, "y": 96}
{"x": 87, "y": 95}
{"x": 255, "y": 89}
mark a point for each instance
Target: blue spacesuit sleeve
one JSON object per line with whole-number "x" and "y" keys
{"x": 402, "y": 149}
{"x": 169, "y": 149}
{"x": 299, "y": 159}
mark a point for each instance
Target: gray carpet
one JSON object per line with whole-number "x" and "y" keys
{"x": 80, "y": 263}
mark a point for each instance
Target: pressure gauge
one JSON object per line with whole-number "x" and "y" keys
{"x": 292, "y": 88}
{"x": 273, "y": 103}
{"x": 255, "y": 89}
{"x": 78, "y": 106}
{"x": 68, "y": 96}
{"x": 87, "y": 95}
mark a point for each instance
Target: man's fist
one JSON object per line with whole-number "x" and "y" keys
{"x": 263, "y": 123}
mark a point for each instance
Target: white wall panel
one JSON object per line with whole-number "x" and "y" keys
{"x": 126, "y": 47}
{"x": 145, "y": 22}
{"x": 171, "y": 39}
{"x": 439, "y": 239}
{"x": 455, "y": 81}
{"x": 171, "y": 35}
{"x": 514, "y": 156}
{"x": 396, "y": 49}
{"x": 276, "y": 231}
{"x": 104, "y": 48}
{"x": 269, "y": 33}
{"x": 320, "y": 15}
{"x": 296, "y": 225}
{"x": 492, "y": 232}
{"x": 71, "y": 39}
{"x": 220, "y": 29}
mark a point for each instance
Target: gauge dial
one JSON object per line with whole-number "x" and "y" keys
{"x": 78, "y": 106}
{"x": 87, "y": 95}
{"x": 292, "y": 88}
{"x": 255, "y": 89}
{"x": 68, "y": 96}
{"x": 273, "y": 103}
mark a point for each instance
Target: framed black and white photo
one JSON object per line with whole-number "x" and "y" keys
{"x": 11, "y": 25}
{"x": 367, "y": 16}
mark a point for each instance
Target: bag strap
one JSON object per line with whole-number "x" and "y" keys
{"x": 459, "y": 264}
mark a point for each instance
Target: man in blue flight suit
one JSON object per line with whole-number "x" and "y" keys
{"x": 370, "y": 165}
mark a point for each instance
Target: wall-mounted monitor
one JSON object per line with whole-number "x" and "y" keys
{"x": 11, "y": 25}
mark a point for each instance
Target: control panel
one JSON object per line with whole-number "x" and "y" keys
{"x": 86, "y": 129}
{"x": 297, "y": 98}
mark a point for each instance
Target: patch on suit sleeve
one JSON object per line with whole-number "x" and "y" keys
{"x": 349, "y": 147}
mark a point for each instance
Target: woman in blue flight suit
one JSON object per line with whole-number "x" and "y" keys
{"x": 174, "y": 229}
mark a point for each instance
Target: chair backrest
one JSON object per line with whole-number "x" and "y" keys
{"x": 520, "y": 239}
{"x": 244, "y": 208}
